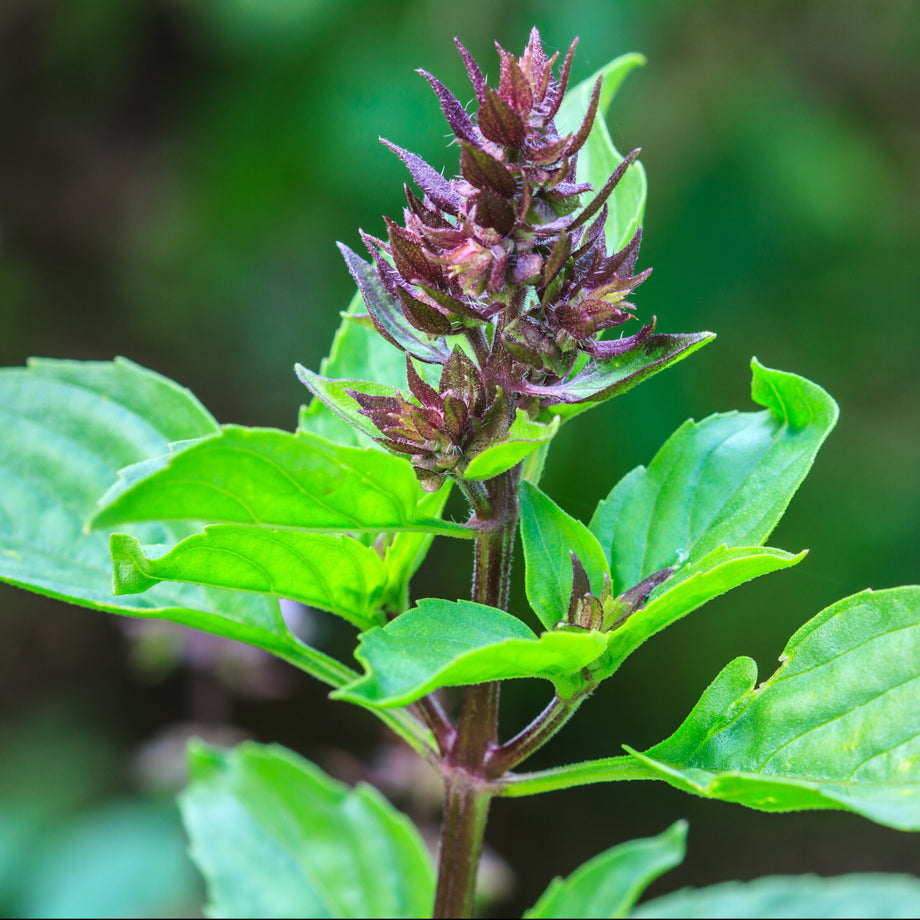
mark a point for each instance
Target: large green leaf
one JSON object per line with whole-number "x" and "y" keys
{"x": 725, "y": 480}
{"x": 407, "y": 550}
{"x": 611, "y": 883}
{"x": 274, "y": 836}
{"x": 274, "y": 479}
{"x": 334, "y": 573}
{"x": 694, "y": 585}
{"x": 598, "y": 159}
{"x": 65, "y": 428}
{"x": 872, "y": 896}
{"x": 835, "y": 727}
{"x": 605, "y": 378}
{"x": 448, "y": 644}
{"x": 337, "y": 574}
{"x": 549, "y": 536}
{"x": 358, "y": 352}
{"x": 522, "y": 438}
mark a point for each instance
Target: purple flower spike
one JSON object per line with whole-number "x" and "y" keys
{"x": 508, "y": 258}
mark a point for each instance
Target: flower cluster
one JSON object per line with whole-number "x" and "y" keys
{"x": 607, "y": 612}
{"x": 460, "y": 417}
{"x": 504, "y": 255}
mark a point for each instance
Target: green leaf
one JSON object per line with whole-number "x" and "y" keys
{"x": 835, "y": 727}
{"x": 334, "y": 394}
{"x": 125, "y": 858}
{"x": 407, "y": 550}
{"x": 65, "y": 428}
{"x": 690, "y": 588}
{"x": 877, "y": 895}
{"x": 358, "y": 351}
{"x": 523, "y": 437}
{"x": 274, "y": 836}
{"x": 611, "y": 883}
{"x": 154, "y": 402}
{"x": 549, "y": 535}
{"x": 333, "y": 573}
{"x": 725, "y": 480}
{"x": 337, "y": 574}
{"x": 269, "y": 478}
{"x": 598, "y": 159}
{"x": 449, "y": 644}
{"x": 604, "y": 379}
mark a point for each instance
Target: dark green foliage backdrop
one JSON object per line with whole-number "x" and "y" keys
{"x": 173, "y": 177}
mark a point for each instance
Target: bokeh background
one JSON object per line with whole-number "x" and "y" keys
{"x": 173, "y": 177}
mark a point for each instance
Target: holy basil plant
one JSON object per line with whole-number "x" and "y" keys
{"x": 486, "y": 316}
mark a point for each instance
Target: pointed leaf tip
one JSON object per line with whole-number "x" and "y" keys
{"x": 458, "y": 119}
{"x": 730, "y": 478}
{"x": 610, "y": 884}
{"x": 798, "y": 401}
{"x": 428, "y": 179}
{"x": 830, "y": 729}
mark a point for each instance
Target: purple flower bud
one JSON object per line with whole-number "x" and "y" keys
{"x": 423, "y": 316}
{"x": 482, "y": 170}
{"x": 514, "y": 86}
{"x": 411, "y": 260}
{"x": 585, "y": 610}
{"x": 499, "y": 122}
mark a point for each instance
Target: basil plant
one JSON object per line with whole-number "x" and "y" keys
{"x": 486, "y": 317}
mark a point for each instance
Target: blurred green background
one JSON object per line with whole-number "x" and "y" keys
{"x": 173, "y": 177}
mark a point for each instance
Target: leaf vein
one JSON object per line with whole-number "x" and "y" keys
{"x": 307, "y": 563}
{"x": 310, "y": 496}
{"x": 882, "y": 753}
{"x": 835, "y": 718}
{"x": 780, "y": 676}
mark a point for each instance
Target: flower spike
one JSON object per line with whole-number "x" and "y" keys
{"x": 500, "y": 275}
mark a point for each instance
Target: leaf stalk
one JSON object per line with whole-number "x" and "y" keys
{"x": 604, "y": 770}
{"x": 504, "y": 758}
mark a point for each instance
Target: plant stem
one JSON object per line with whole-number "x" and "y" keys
{"x": 466, "y": 802}
{"x": 466, "y": 808}
{"x": 467, "y": 788}
{"x": 478, "y": 498}
{"x": 493, "y": 553}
